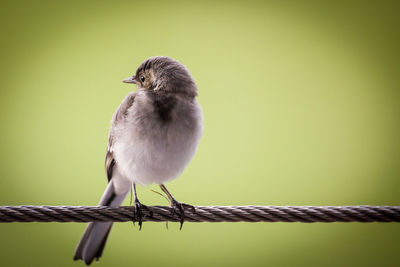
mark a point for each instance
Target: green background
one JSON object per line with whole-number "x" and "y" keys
{"x": 301, "y": 107}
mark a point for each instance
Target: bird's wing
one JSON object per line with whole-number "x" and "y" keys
{"x": 110, "y": 161}
{"x": 118, "y": 116}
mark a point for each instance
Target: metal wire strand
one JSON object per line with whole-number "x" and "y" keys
{"x": 306, "y": 214}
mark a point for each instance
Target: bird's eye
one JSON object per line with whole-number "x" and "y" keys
{"x": 142, "y": 78}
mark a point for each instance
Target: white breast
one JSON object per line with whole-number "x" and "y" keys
{"x": 149, "y": 151}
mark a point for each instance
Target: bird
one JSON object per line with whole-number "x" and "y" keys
{"x": 154, "y": 134}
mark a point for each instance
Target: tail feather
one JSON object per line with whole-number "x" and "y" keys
{"x": 94, "y": 239}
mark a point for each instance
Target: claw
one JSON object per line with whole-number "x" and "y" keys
{"x": 179, "y": 210}
{"x": 138, "y": 214}
{"x": 177, "y": 207}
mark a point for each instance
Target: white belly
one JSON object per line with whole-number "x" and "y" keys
{"x": 159, "y": 156}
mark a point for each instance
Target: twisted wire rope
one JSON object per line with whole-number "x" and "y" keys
{"x": 305, "y": 214}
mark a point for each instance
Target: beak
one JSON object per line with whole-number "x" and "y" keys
{"x": 130, "y": 80}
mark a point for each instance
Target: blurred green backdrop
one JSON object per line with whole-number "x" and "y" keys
{"x": 301, "y": 107}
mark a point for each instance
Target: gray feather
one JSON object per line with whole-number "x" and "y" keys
{"x": 154, "y": 134}
{"x": 93, "y": 240}
{"x": 119, "y": 115}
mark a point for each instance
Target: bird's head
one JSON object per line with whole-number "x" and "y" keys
{"x": 164, "y": 74}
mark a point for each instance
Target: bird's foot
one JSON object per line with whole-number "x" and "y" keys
{"x": 179, "y": 210}
{"x": 138, "y": 213}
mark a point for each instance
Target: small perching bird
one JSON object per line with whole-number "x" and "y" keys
{"x": 154, "y": 134}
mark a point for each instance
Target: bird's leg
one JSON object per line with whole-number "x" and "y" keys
{"x": 138, "y": 215}
{"x": 177, "y": 207}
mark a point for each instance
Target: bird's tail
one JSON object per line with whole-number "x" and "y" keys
{"x": 94, "y": 239}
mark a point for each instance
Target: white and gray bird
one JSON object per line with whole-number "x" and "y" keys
{"x": 154, "y": 134}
